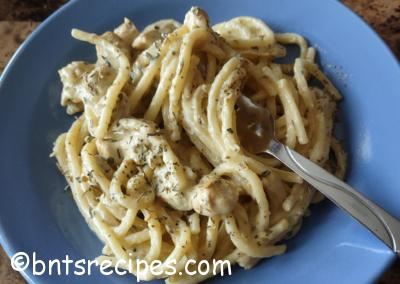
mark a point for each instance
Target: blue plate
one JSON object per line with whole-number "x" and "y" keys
{"x": 36, "y": 214}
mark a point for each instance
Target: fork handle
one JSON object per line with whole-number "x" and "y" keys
{"x": 377, "y": 220}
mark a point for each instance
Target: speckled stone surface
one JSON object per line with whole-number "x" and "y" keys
{"x": 383, "y": 16}
{"x": 19, "y": 17}
{"x": 12, "y": 34}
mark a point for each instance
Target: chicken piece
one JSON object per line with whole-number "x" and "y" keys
{"x": 215, "y": 195}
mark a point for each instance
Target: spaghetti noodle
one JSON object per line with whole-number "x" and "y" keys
{"x": 154, "y": 161}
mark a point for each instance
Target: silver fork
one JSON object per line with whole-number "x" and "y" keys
{"x": 256, "y": 127}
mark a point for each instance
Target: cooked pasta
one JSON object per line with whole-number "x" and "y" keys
{"x": 154, "y": 161}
